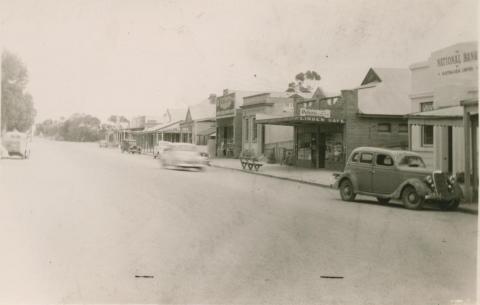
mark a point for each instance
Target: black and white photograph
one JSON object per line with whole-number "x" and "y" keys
{"x": 239, "y": 152}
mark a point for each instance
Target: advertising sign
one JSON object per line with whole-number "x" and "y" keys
{"x": 315, "y": 113}
{"x": 456, "y": 61}
{"x": 225, "y": 105}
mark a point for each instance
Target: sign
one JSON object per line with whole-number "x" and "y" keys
{"x": 457, "y": 60}
{"x": 225, "y": 104}
{"x": 315, "y": 113}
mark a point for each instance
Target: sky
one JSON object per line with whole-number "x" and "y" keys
{"x": 141, "y": 57}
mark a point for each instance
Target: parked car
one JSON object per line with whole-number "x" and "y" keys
{"x": 182, "y": 155}
{"x": 394, "y": 174}
{"x": 126, "y": 144}
{"x": 16, "y": 144}
{"x": 135, "y": 149}
{"x": 159, "y": 148}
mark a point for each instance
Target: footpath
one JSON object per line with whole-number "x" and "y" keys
{"x": 317, "y": 177}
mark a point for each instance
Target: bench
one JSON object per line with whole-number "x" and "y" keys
{"x": 251, "y": 163}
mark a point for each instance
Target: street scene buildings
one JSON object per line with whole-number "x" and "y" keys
{"x": 172, "y": 153}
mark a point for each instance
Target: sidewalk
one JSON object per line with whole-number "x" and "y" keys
{"x": 318, "y": 177}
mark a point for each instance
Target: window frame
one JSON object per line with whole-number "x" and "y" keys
{"x": 386, "y": 155}
{"x": 423, "y": 137}
{"x": 366, "y": 153}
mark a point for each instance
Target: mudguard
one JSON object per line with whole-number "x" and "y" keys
{"x": 420, "y": 186}
{"x": 349, "y": 176}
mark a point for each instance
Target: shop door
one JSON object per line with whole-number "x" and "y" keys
{"x": 450, "y": 149}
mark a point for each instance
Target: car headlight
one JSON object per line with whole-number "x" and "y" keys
{"x": 429, "y": 181}
{"x": 452, "y": 179}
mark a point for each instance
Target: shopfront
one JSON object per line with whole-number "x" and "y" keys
{"x": 318, "y": 132}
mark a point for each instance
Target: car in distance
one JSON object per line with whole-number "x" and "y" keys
{"x": 159, "y": 148}
{"x": 16, "y": 144}
{"x": 102, "y": 143}
{"x": 395, "y": 174}
{"x": 135, "y": 149}
{"x": 182, "y": 155}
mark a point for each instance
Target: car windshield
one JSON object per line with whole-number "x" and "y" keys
{"x": 411, "y": 161}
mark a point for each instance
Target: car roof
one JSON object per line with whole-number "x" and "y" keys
{"x": 182, "y": 144}
{"x": 395, "y": 152}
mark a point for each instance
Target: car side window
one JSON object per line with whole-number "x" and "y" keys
{"x": 366, "y": 158}
{"x": 355, "y": 157}
{"x": 384, "y": 160}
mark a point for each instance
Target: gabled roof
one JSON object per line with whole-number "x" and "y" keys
{"x": 385, "y": 91}
{"x": 202, "y": 110}
{"x": 174, "y": 115}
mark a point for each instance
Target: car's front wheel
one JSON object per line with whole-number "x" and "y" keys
{"x": 411, "y": 199}
{"x": 450, "y": 205}
{"x": 346, "y": 190}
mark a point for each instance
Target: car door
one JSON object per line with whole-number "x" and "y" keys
{"x": 364, "y": 169}
{"x": 385, "y": 175}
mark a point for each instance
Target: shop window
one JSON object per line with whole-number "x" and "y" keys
{"x": 402, "y": 128}
{"x": 254, "y": 131}
{"x": 427, "y": 135}
{"x": 366, "y": 158}
{"x": 384, "y": 127}
{"x": 384, "y": 160}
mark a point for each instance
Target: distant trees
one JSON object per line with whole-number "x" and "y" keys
{"x": 18, "y": 111}
{"x": 113, "y": 119}
{"x": 304, "y": 82}
{"x": 77, "y": 128}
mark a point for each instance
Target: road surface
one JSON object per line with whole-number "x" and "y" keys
{"x": 83, "y": 224}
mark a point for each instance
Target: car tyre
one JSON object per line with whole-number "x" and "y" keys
{"x": 411, "y": 199}
{"x": 383, "y": 200}
{"x": 449, "y": 205}
{"x": 346, "y": 190}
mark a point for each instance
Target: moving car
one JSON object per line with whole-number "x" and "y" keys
{"x": 159, "y": 148}
{"x": 126, "y": 144}
{"x": 395, "y": 174}
{"x": 16, "y": 144}
{"x": 182, "y": 155}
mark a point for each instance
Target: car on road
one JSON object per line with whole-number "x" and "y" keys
{"x": 16, "y": 144}
{"x": 396, "y": 174}
{"x": 135, "y": 149}
{"x": 159, "y": 148}
{"x": 182, "y": 155}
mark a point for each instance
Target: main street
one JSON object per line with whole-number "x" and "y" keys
{"x": 83, "y": 224}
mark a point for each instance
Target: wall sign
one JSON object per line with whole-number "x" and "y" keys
{"x": 315, "y": 113}
{"x": 456, "y": 60}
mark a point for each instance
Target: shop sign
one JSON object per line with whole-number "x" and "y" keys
{"x": 325, "y": 113}
{"x": 318, "y": 119}
{"x": 456, "y": 60}
{"x": 225, "y": 105}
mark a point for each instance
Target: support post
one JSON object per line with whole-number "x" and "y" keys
{"x": 467, "y": 138}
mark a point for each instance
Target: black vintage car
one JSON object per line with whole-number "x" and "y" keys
{"x": 393, "y": 174}
{"x": 130, "y": 146}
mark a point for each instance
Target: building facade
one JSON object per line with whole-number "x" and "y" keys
{"x": 441, "y": 87}
{"x": 268, "y": 140}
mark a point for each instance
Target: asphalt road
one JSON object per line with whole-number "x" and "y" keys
{"x": 81, "y": 224}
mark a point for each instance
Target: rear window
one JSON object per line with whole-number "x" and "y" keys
{"x": 366, "y": 158}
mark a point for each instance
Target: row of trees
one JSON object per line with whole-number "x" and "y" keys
{"x": 17, "y": 107}
{"x": 78, "y": 128}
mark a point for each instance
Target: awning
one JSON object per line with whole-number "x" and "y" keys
{"x": 295, "y": 120}
{"x": 172, "y": 128}
{"x": 448, "y": 116}
{"x": 207, "y": 132}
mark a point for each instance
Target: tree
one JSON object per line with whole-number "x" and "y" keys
{"x": 113, "y": 119}
{"x": 18, "y": 111}
{"x": 304, "y": 82}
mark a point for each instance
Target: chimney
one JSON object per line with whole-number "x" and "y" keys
{"x": 212, "y": 98}
{"x": 225, "y": 91}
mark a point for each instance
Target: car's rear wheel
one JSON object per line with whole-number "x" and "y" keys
{"x": 411, "y": 199}
{"x": 346, "y": 190}
{"x": 383, "y": 200}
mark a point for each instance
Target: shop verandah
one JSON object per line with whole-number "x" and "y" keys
{"x": 454, "y": 141}
{"x": 318, "y": 141}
